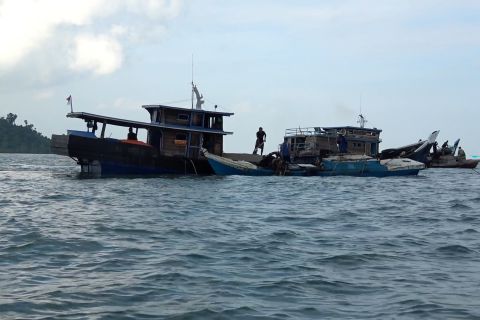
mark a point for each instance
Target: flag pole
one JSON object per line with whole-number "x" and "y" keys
{"x": 70, "y": 102}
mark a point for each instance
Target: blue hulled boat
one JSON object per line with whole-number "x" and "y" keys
{"x": 342, "y": 165}
{"x": 269, "y": 165}
{"x": 364, "y": 166}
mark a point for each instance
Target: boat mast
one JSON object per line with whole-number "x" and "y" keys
{"x": 192, "y": 82}
{"x": 361, "y": 119}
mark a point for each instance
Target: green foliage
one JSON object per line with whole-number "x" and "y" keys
{"x": 11, "y": 118}
{"x": 21, "y": 139}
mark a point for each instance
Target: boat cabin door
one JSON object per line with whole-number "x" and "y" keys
{"x": 194, "y": 145}
{"x": 373, "y": 149}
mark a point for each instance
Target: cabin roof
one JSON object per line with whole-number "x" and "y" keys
{"x": 140, "y": 124}
{"x": 216, "y": 113}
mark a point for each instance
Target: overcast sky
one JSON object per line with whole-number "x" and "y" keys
{"x": 412, "y": 66}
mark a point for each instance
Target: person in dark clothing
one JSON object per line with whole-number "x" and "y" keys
{"x": 461, "y": 154}
{"x": 445, "y": 149}
{"x": 342, "y": 143}
{"x": 260, "y": 142}
{"x": 285, "y": 151}
{"x": 131, "y": 134}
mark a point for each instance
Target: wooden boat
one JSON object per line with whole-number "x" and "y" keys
{"x": 224, "y": 166}
{"x": 346, "y": 165}
{"x": 419, "y": 151}
{"x": 309, "y": 144}
{"x": 347, "y": 150}
{"x": 174, "y": 139}
{"x": 451, "y": 161}
{"x": 446, "y": 158}
{"x": 270, "y": 164}
{"x": 365, "y": 166}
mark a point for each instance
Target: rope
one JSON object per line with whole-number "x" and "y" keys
{"x": 193, "y": 165}
{"x": 363, "y": 168}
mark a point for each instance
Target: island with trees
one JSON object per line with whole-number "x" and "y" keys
{"x": 21, "y": 138}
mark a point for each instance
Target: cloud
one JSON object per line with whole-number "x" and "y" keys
{"x": 25, "y": 25}
{"x": 98, "y": 54}
{"x": 93, "y": 31}
{"x": 43, "y": 94}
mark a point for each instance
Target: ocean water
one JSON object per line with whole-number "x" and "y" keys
{"x": 236, "y": 247}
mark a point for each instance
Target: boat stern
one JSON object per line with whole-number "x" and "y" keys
{"x": 59, "y": 144}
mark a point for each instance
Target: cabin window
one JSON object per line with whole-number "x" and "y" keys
{"x": 181, "y": 139}
{"x": 183, "y": 117}
{"x": 197, "y": 119}
{"x": 181, "y": 136}
{"x": 217, "y": 123}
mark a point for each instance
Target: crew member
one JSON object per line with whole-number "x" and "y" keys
{"x": 260, "y": 142}
{"x": 342, "y": 143}
{"x": 285, "y": 151}
{"x": 131, "y": 135}
{"x": 461, "y": 154}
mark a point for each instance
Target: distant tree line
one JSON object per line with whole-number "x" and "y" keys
{"x": 21, "y": 138}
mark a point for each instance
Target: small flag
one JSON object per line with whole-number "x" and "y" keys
{"x": 70, "y": 102}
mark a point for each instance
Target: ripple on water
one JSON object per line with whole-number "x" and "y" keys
{"x": 354, "y": 260}
{"x": 455, "y": 250}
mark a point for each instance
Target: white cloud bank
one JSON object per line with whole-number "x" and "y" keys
{"x": 98, "y": 54}
{"x": 94, "y": 41}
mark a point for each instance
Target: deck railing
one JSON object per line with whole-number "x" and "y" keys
{"x": 307, "y": 131}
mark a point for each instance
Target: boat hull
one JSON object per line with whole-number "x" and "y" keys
{"x": 107, "y": 156}
{"x": 454, "y": 162}
{"x": 224, "y": 166}
{"x": 368, "y": 167}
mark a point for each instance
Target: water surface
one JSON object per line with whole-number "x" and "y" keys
{"x": 236, "y": 247}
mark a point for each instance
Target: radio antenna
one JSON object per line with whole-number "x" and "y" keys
{"x": 192, "y": 81}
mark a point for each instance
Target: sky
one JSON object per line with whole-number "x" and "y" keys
{"x": 411, "y": 67}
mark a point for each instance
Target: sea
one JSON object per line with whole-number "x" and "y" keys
{"x": 234, "y": 247}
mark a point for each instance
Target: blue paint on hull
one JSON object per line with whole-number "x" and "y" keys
{"x": 370, "y": 168}
{"x": 225, "y": 170}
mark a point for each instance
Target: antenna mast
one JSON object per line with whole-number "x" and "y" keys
{"x": 361, "y": 119}
{"x": 192, "y": 81}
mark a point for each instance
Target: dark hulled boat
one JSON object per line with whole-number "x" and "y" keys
{"x": 446, "y": 158}
{"x": 175, "y": 137}
{"x": 419, "y": 151}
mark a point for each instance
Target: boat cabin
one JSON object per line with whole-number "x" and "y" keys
{"x": 172, "y": 131}
{"x": 180, "y": 131}
{"x": 320, "y": 142}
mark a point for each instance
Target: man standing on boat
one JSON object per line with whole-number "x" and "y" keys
{"x": 260, "y": 142}
{"x": 461, "y": 154}
{"x": 342, "y": 143}
{"x": 285, "y": 151}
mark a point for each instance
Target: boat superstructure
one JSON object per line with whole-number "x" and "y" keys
{"x": 174, "y": 138}
{"x": 311, "y": 144}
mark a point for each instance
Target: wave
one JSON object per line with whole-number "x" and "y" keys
{"x": 355, "y": 259}
{"x": 455, "y": 249}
